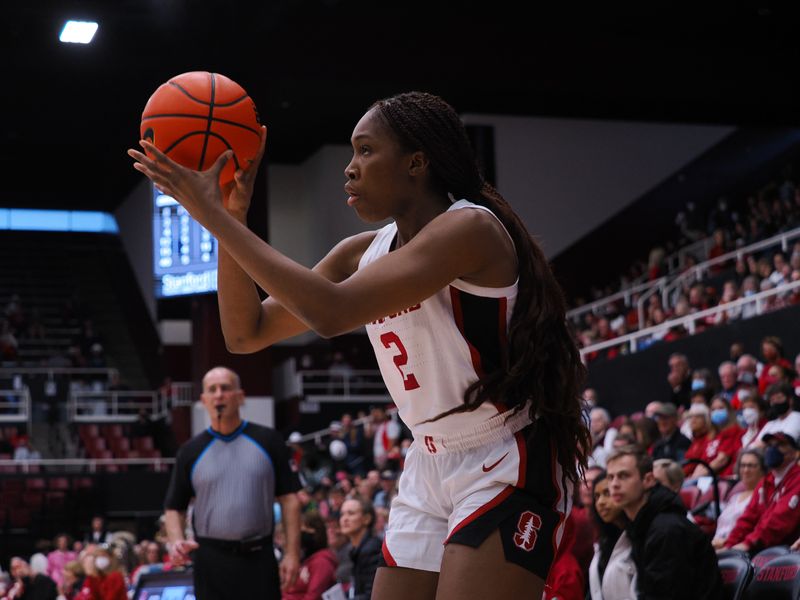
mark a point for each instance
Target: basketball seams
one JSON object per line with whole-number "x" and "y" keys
{"x": 208, "y": 123}
{"x": 189, "y": 95}
{"x": 215, "y": 119}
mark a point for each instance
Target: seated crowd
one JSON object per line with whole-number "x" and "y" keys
{"x": 776, "y": 210}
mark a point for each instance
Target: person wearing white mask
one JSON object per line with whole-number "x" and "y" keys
{"x": 104, "y": 580}
{"x": 753, "y": 415}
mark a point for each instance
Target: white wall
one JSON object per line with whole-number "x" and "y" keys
{"x": 566, "y": 177}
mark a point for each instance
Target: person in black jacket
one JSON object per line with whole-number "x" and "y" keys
{"x": 30, "y": 586}
{"x": 673, "y": 557}
{"x": 356, "y": 521}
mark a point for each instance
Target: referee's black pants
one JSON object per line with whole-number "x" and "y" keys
{"x": 222, "y": 575}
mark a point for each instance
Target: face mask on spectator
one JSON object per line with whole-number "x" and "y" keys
{"x": 698, "y": 384}
{"x": 750, "y": 415}
{"x": 719, "y": 416}
{"x": 778, "y": 409}
{"x": 746, "y": 377}
{"x": 773, "y": 457}
{"x": 749, "y": 292}
{"x": 102, "y": 562}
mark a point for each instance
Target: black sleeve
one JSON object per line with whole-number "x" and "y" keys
{"x": 286, "y": 480}
{"x": 368, "y": 562}
{"x": 180, "y": 491}
{"x": 666, "y": 561}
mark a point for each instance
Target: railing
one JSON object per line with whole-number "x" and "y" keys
{"x": 633, "y": 340}
{"x": 699, "y": 271}
{"x": 181, "y": 393}
{"x": 356, "y": 385}
{"x": 317, "y": 436}
{"x": 677, "y": 259}
{"x": 79, "y": 465}
{"x": 15, "y": 406}
{"x": 625, "y": 295}
{"x": 53, "y": 371}
{"x": 116, "y": 406}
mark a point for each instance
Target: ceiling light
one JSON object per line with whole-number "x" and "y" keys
{"x": 78, "y": 32}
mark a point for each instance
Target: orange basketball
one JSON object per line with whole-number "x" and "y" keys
{"x": 196, "y": 116}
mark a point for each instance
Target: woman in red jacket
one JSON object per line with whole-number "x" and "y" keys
{"x": 104, "y": 579}
{"x": 318, "y": 570}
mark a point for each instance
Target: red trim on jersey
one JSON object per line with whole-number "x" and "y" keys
{"x": 557, "y": 486}
{"x": 387, "y": 556}
{"x": 455, "y": 299}
{"x": 482, "y": 510}
{"x": 523, "y": 458}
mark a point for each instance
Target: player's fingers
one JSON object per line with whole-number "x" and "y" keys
{"x": 220, "y": 163}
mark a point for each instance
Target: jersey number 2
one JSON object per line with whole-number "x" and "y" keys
{"x": 389, "y": 339}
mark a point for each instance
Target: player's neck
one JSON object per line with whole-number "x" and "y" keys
{"x": 416, "y": 216}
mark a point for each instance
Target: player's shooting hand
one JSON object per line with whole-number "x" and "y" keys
{"x": 239, "y": 192}
{"x": 198, "y": 191}
{"x": 180, "y": 550}
{"x": 289, "y": 568}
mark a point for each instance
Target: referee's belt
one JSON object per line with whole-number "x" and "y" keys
{"x": 237, "y": 547}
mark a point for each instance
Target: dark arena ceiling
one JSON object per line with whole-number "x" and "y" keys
{"x": 314, "y": 66}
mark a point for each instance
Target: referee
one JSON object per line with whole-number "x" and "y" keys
{"x": 235, "y": 471}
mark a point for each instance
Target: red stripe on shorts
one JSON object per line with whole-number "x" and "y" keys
{"x": 387, "y": 556}
{"x": 482, "y": 510}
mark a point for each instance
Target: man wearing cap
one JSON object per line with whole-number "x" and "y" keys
{"x": 772, "y": 517}
{"x": 388, "y": 489}
{"x": 672, "y": 444}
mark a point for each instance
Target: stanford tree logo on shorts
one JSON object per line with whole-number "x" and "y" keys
{"x": 529, "y": 523}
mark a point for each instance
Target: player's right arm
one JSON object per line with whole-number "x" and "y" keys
{"x": 248, "y": 324}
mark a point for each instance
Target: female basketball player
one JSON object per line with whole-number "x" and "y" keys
{"x": 468, "y": 326}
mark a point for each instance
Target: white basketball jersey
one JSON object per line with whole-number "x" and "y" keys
{"x": 430, "y": 353}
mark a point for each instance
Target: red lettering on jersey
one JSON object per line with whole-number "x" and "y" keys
{"x": 429, "y": 444}
{"x": 400, "y": 360}
{"x": 529, "y": 523}
{"x": 382, "y": 320}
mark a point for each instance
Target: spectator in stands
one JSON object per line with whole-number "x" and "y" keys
{"x": 339, "y": 545}
{"x": 699, "y": 419}
{"x": 152, "y": 561}
{"x": 29, "y": 585}
{"x": 750, "y": 471}
{"x": 98, "y": 534}
{"x": 679, "y": 379}
{"x": 612, "y": 573}
{"x": 754, "y": 416}
{"x": 796, "y": 382}
{"x": 599, "y": 421}
{"x": 26, "y": 451}
{"x": 339, "y": 371}
{"x": 782, "y": 417}
{"x": 388, "y": 489}
{"x": 646, "y": 433}
{"x": 71, "y": 581}
{"x": 357, "y": 522}
{"x": 736, "y": 351}
{"x": 772, "y": 353}
{"x": 590, "y": 396}
{"x": 672, "y": 443}
{"x": 386, "y": 435}
{"x": 354, "y": 439}
{"x": 318, "y": 569}
{"x": 673, "y": 557}
{"x": 772, "y": 517}
{"x": 565, "y": 578}
{"x": 104, "y": 579}
{"x": 728, "y": 438}
{"x": 728, "y": 382}
{"x": 669, "y": 474}
{"x": 720, "y": 247}
{"x": 747, "y": 369}
{"x": 8, "y": 342}
{"x": 58, "y": 558}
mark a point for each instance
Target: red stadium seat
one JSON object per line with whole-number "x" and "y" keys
{"x": 35, "y": 483}
{"x": 778, "y": 579}
{"x": 58, "y": 484}
{"x": 10, "y": 499}
{"x": 143, "y": 443}
{"x": 19, "y": 518}
{"x": 112, "y": 431}
{"x": 766, "y": 555}
{"x": 119, "y": 445}
{"x": 33, "y": 500}
{"x": 689, "y": 496}
{"x": 736, "y": 574}
{"x": 12, "y": 485}
{"x": 55, "y": 501}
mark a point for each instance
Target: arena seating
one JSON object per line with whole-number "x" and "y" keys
{"x": 736, "y": 571}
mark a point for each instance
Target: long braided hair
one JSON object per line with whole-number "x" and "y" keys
{"x": 542, "y": 363}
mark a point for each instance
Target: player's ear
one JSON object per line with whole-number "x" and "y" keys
{"x": 418, "y": 164}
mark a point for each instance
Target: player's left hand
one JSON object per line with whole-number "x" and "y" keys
{"x": 197, "y": 191}
{"x": 289, "y": 568}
